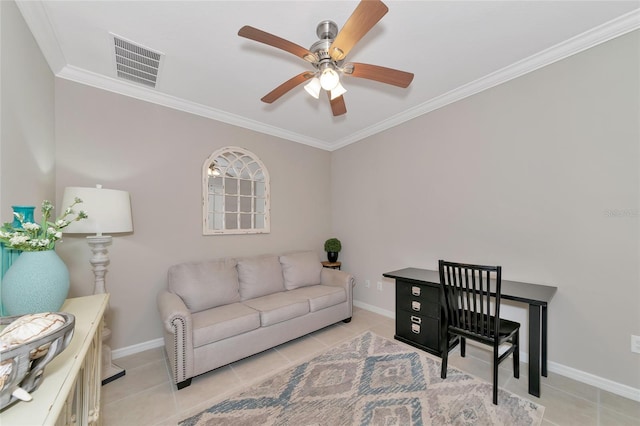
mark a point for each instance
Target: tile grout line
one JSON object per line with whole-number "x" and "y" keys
{"x": 601, "y": 410}
{"x": 172, "y": 387}
{"x": 103, "y": 403}
{"x": 598, "y": 414}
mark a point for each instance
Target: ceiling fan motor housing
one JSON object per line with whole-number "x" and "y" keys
{"x": 326, "y": 32}
{"x": 328, "y": 54}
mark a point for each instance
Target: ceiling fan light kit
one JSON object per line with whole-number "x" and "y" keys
{"x": 329, "y": 78}
{"x": 313, "y": 87}
{"x": 327, "y": 54}
{"x": 337, "y": 91}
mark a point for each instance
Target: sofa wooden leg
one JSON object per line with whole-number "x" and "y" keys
{"x": 184, "y": 384}
{"x": 347, "y": 321}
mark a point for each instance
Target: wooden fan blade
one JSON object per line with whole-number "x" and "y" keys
{"x": 276, "y": 93}
{"x": 277, "y": 42}
{"x": 377, "y": 73}
{"x": 366, "y": 15}
{"x": 338, "y": 106}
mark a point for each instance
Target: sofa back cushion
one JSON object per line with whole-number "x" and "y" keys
{"x": 259, "y": 276}
{"x": 206, "y": 284}
{"x": 301, "y": 269}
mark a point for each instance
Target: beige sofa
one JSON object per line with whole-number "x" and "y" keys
{"x": 219, "y": 311}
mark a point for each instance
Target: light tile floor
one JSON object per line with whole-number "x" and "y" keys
{"x": 147, "y": 396}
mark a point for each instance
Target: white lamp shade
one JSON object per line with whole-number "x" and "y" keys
{"x": 109, "y": 210}
{"x": 338, "y": 91}
{"x": 329, "y": 79}
{"x": 313, "y": 87}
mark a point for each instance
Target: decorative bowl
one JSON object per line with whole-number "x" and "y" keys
{"x": 22, "y": 366}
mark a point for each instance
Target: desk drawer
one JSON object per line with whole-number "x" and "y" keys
{"x": 419, "y": 329}
{"x": 418, "y": 307}
{"x": 407, "y": 290}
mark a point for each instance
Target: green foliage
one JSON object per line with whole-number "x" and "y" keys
{"x": 332, "y": 245}
{"x": 30, "y": 236}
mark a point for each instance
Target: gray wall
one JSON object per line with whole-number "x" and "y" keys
{"x": 157, "y": 154}
{"x": 27, "y": 144}
{"x": 526, "y": 175}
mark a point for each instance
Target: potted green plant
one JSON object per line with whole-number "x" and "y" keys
{"x": 332, "y": 246}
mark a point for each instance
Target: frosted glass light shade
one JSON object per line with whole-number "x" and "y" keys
{"x": 329, "y": 79}
{"x": 109, "y": 210}
{"x": 338, "y": 91}
{"x": 213, "y": 170}
{"x": 313, "y": 87}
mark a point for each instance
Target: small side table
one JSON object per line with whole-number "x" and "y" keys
{"x": 332, "y": 265}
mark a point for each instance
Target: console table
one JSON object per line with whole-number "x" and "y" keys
{"x": 424, "y": 309}
{"x": 70, "y": 391}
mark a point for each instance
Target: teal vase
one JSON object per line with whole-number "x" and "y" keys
{"x": 37, "y": 281}
{"x": 27, "y": 213}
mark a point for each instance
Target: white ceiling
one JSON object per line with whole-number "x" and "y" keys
{"x": 454, "y": 48}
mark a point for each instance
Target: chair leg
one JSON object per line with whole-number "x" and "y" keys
{"x": 443, "y": 370}
{"x": 463, "y": 346}
{"x": 516, "y": 355}
{"x": 495, "y": 375}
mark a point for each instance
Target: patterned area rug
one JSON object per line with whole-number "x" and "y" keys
{"x": 370, "y": 380}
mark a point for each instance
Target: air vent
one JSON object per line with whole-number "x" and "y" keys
{"x": 136, "y": 63}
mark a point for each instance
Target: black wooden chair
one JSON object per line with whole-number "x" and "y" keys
{"x": 469, "y": 315}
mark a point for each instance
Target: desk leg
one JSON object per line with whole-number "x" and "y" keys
{"x": 534, "y": 350}
{"x": 544, "y": 341}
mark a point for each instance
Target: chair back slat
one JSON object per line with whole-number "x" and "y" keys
{"x": 477, "y": 321}
{"x": 469, "y": 314}
{"x": 467, "y": 290}
{"x": 449, "y": 292}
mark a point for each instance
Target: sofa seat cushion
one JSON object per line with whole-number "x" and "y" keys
{"x": 301, "y": 269}
{"x": 224, "y": 321}
{"x": 259, "y": 276}
{"x": 278, "y": 307}
{"x": 321, "y": 296}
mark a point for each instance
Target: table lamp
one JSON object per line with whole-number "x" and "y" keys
{"x": 109, "y": 211}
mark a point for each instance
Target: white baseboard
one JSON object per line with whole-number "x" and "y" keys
{"x": 374, "y": 309}
{"x": 140, "y": 347}
{"x": 553, "y": 367}
{"x": 572, "y": 373}
{"x": 580, "y": 376}
{"x": 593, "y": 380}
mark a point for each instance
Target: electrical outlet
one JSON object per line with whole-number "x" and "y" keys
{"x": 635, "y": 344}
{"x": 367, "y": 283}
{"x": 379, "y": 285}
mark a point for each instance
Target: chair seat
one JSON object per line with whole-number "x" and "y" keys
{"x": 467, "y": 289}
{"x": 507, "y": 328}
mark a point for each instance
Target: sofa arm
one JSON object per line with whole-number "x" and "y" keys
{"x": 178, "y": 335}
{"x": 339, "y": 278}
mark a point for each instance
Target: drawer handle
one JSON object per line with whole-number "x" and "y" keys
{"x": 416, "y": 320}
{"x": 415, "y": 328}
{"x": 415, "y": 290}
{"x": 415, "y": 306}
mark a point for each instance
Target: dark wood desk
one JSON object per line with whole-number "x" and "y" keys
{"x": 537, "y": 296}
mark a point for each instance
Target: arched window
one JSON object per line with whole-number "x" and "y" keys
{"x": 235, "y": 193}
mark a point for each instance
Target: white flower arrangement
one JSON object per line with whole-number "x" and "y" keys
{"x": 39, "y": 237}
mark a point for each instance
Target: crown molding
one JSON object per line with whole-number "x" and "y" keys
{"x": 37, "y": 19}
{"x": 143, "y": 93}
{"x": 593, "y": 37}
{"x": 35, "y": 15}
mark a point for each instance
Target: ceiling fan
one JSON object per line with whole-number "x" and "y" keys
{"x": 327, "y": 56}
